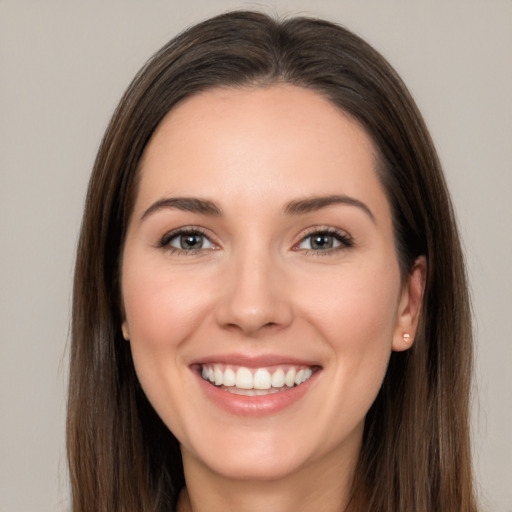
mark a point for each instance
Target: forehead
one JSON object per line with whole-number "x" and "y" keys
{"x": 258, "y": 142}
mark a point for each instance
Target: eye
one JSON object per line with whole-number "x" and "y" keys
{"x": 325, "y": 241}
{"x": 187, "y": 241}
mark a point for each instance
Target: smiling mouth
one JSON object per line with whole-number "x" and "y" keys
{"x": 245, "y": 381}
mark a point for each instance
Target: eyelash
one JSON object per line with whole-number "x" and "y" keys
{"x": 165, "y": 241}
{"x": 345, "y": 241}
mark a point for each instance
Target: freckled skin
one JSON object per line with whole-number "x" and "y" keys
{"x": 256, "y": 288}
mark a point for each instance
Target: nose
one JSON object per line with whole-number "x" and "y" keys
{"x": 255, "y": 296}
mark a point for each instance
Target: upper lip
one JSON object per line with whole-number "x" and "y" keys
{"x": 258, "y": 361}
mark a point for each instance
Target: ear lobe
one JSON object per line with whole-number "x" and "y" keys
{"x": 409, "y": 306}
{"x": 126, "y": 332}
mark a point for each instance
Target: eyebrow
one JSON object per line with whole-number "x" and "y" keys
{"x": 312, "y": 204}
{"x": 296, "y": 207}
{"x": 188, "y": 204}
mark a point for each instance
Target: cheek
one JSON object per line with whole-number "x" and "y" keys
{"x": 160, "y": 309}
{"x": 354, "y": 308}
{"x": 355, "y": 313}
{"x": 352, "y": 315}
{"x": 162, "y": 313}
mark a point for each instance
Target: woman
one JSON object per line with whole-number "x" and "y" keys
{"x": 270, "y": 302}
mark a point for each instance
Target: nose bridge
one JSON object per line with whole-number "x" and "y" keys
{"x": 255, "y": 293}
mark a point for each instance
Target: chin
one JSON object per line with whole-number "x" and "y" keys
{"x": 270, "y": 464}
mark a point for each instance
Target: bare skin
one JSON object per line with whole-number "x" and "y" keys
{"x": 261, "y": 237}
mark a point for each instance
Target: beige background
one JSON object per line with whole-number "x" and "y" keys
{"x": 63, "y": 67}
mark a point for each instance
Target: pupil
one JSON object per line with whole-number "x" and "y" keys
{"x": 191, "y": 241}
{"x": 322, "y": 242}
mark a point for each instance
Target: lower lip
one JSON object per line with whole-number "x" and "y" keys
{"x": 263, "y": 405}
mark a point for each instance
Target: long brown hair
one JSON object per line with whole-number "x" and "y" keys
{"x": 416, "y": 446}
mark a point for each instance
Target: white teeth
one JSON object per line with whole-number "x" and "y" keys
{"x": 289, "y": 380}
{"x": 262, "y": 379}
{"x": 278, "y": 379}
{"x": 254, "y": 392}
{"x": 229, "y": 377}
{"x": 217, "y": 372}
{"x": 243, "y": 378}
{"x": 298, "y": 377}
{"x": 255, "y": 382}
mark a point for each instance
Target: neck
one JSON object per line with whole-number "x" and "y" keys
{"x": 323, "y": 487}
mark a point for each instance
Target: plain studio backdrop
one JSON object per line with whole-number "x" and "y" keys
{"x": 63, "y": 68}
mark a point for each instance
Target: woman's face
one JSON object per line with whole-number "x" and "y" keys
{"x": 260, "y": 254}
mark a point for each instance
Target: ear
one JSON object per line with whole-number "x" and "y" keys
{"x": 126, "y": 332}
{"x": 409, "y": 306}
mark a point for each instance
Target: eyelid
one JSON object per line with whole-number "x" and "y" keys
{"x": 345, "y": 239}
{"x": 164, "y": 241}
